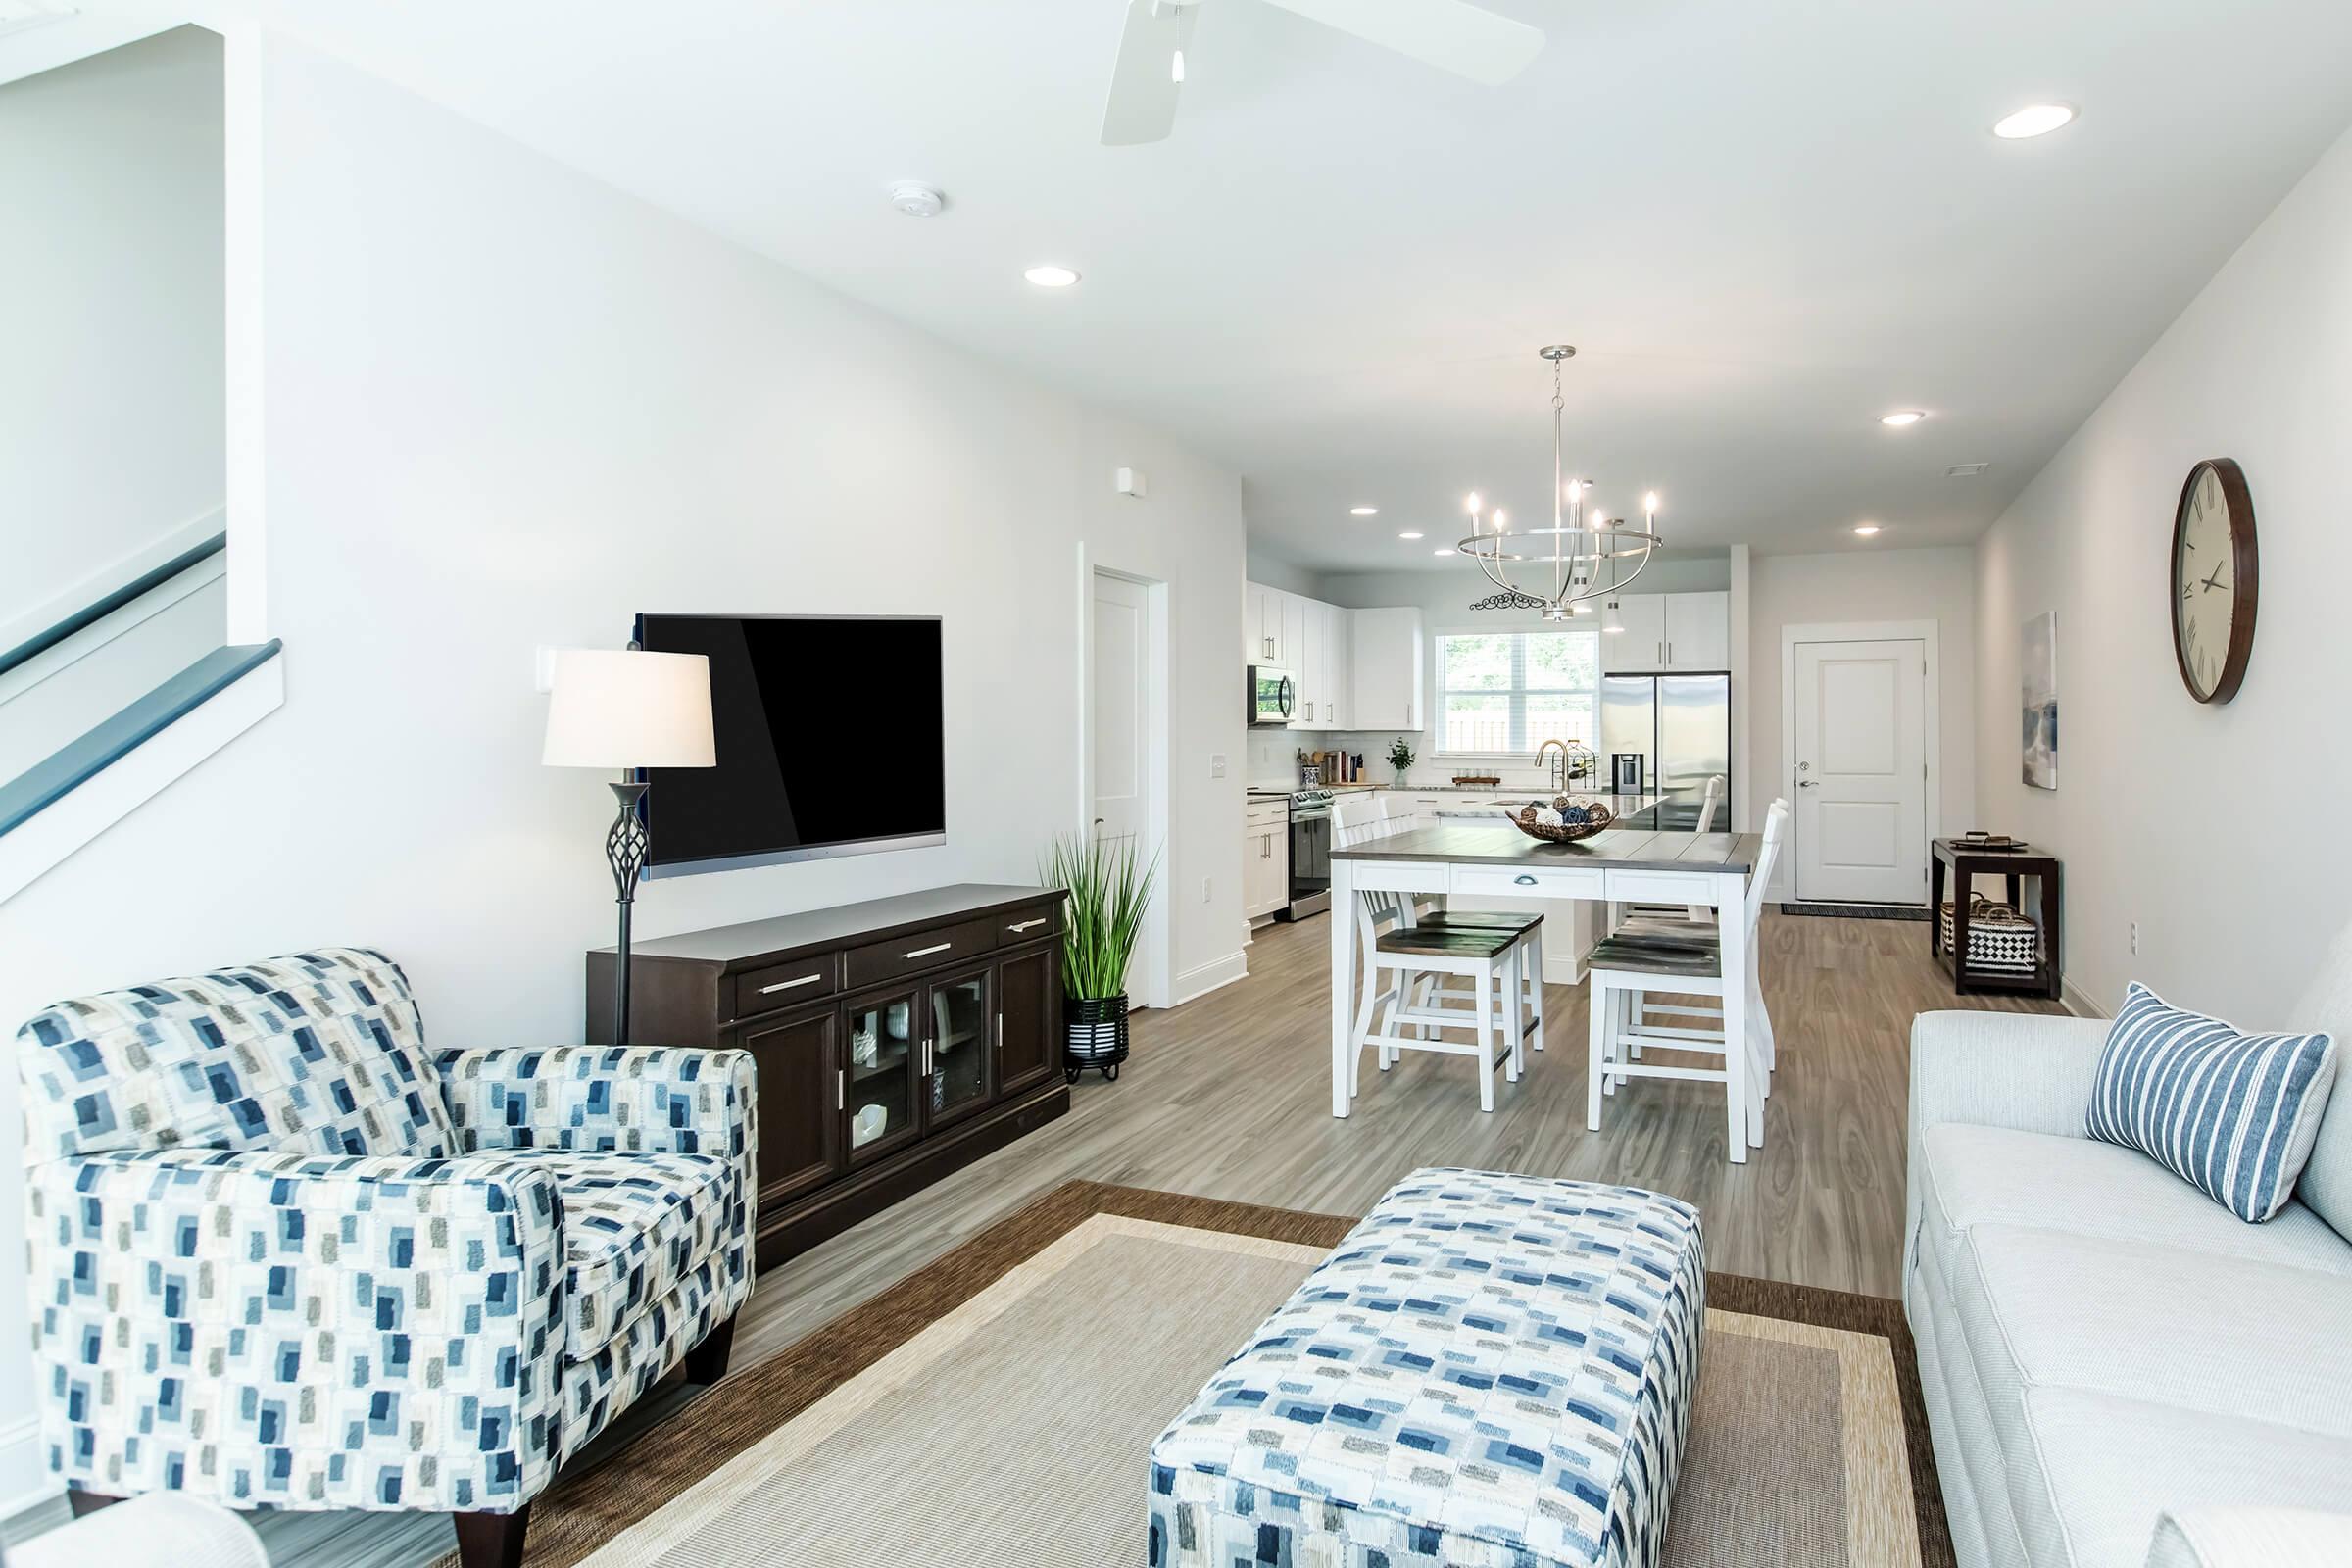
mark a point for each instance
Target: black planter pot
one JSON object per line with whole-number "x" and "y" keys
{"x": 1095, "y": 1035}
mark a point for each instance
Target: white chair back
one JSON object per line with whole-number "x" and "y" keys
{"x": 1776, "y": 827}
{"x": 1355, "y": 818}
{"x": 1709, "y": 802}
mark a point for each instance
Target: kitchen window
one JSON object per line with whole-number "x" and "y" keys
{"x": 1510, "y": 691}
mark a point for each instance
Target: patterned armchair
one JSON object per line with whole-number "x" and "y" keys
{"x": 283, "y": 1258}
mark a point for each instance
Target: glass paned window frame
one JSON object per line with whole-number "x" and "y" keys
{"x": 1511, "y": 702}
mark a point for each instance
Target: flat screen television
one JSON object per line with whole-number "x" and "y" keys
{"x": 829, "y": 740}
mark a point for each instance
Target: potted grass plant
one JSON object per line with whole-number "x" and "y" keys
{"x": 1109, "y": 885}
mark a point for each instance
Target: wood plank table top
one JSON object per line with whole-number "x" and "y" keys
{"x": 1621, "y": 849}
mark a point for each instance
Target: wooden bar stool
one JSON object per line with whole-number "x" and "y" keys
{"x": 1683, "y": 959}
{"x": 1415, "y": 954}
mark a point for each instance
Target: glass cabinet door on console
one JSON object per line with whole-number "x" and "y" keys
{"x": 879, "y": 1090}
{"x": 962, "y": 1047}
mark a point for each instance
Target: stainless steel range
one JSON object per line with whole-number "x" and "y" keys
{"x": 1311, "y": 854}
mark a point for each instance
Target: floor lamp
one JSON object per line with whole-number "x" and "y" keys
{"x": 626, "y": 711}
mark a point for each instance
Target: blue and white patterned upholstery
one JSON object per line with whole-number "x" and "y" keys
{"x": 1490, "y": 1371}
{"x": 270, "y": 1266}
{"x": 2232, "y": 1114}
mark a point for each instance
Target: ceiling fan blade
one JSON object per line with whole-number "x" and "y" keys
{"x": 1143, "y": 84}
{"x": 1450, "y": 34}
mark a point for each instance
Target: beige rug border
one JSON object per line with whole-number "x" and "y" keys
{"x": 668, "y": 1525}
{"x": 1881, "y": 1526}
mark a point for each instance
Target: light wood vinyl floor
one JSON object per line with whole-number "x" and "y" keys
{"x": 1229, "y": 1096}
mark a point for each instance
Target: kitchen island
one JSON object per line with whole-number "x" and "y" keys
{"x": 1473, "y": 861}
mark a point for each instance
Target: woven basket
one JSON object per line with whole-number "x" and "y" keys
{"x": 1597, "y": 819}
{"x": 2000, "y": 940}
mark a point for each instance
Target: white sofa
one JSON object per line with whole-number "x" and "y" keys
{"x": 2118, "y": 1371}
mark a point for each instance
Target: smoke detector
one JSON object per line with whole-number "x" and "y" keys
{"x": 916, "y": 199}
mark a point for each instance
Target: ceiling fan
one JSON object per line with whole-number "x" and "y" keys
{"x": 1450, "y": 34}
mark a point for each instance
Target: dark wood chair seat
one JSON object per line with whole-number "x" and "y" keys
{"x": 1483, "y": 920}
{"x": 1450, "y": 942}
{"x": 1671, "y": 958}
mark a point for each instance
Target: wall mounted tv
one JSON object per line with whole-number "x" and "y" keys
{"x": 829, "y": 737}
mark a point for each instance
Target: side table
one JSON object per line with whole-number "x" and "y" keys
{"x": 1963, "y": 864}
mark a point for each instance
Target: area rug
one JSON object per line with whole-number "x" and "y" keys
{"x": 997, "y": 1407}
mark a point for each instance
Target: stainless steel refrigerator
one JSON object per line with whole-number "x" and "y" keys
{"x": 1681, "y": 724}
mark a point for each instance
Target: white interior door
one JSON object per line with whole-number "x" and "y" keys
{"x": 1861, "y": 772}
{"x": 1121, "y": 704}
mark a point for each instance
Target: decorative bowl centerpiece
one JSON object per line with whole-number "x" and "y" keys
{"x": 1575, "y": 820}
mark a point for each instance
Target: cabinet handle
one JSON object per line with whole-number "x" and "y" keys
{"x": 925, "y": 952}
{"x": 1025, "y": 925}
{"x": 841, "y": 1090}
{"x": 787, "y": 985}
{"x": 1000, "y": 1034}
{"x": 1524, "y": 880}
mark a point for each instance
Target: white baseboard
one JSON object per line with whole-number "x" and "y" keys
{"x": 2078, "y": 1001}
{"x": 24, "y": 1479}
{"x": 1202, "y": 979}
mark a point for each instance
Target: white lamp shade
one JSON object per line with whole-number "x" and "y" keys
{"x": 628, "y": 709}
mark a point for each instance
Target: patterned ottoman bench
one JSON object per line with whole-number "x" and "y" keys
{"x": 1490, "y": 1372}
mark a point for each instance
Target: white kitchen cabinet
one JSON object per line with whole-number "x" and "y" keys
{"x": 1698, "y": 631}
{"x": 1339, "y": 673}
{"x": 1309, "y": 658}
{"x": 1639, "y": 642}
{"x": 1265, "y": 858}
{"x": 1290, "y": 644}
{"x": 1667, "y": 632}
{"x": 1262, "y": 614}
{"x": 1389, "y": 668}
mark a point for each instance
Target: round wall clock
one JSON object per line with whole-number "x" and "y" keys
{"x": 2214, "y": 581}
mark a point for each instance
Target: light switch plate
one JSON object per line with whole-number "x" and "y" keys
{"x": 543, "y": 672}
{"x": 1217, "y": 764}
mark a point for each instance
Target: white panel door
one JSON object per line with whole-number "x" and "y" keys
{"x": 1120, "y": 744}
{"x": 1861, "y": 772}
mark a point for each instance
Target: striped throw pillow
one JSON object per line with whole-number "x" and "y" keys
{"x": 2233, "y": 1115}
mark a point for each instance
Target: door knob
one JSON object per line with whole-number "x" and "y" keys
{"x": 1808, "y": 783}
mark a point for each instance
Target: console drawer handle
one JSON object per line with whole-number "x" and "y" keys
{"x": 1524, "y": 880}
{"x": 1025, "y": 925}
{"x": 787, "y": 985}
{"x": 925, "y": 952}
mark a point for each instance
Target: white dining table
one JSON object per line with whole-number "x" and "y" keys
{"x": 1475, "y": 861}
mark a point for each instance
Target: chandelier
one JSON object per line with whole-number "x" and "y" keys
{"x": 1584, "y": 553}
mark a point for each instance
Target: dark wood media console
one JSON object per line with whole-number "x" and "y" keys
{"x": 896, "y": 1041}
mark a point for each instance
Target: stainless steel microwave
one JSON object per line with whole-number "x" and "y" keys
{"x": 1273, "y": 695}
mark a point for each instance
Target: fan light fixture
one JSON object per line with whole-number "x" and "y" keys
{"x": 1588, "y": 556}
{"x": 1901, "y": 418}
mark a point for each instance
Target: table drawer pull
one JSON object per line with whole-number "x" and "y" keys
{"x": 1026, "y": 925}
{"x": 925, "y": 952}
{"x": 788, "y": 985}
{"x": 1524, "y": 880}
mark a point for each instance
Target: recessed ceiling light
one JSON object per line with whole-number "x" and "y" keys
{"x": 2035, "y": 119}
{"x": 1443, "y": 550}
{"x": 1901, "y": 416}
{"x": 1965, "y": 471}
{"x": 1051, "y": 276}
{"x": 1866, "y": 529}
{"x": 1412, "y": 533}
{"x": 1362, "y": 512}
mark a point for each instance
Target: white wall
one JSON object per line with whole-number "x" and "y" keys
{"x": 507, "y": 406}
{"x": 111, "y": 305}
{"x": 1865, "y": 585}
{"x": 2215, "y": 828}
